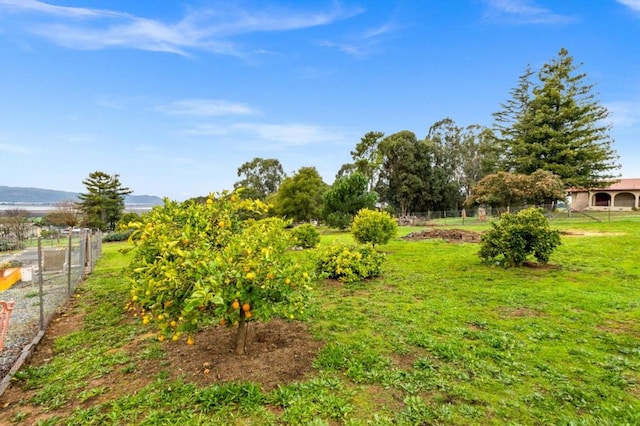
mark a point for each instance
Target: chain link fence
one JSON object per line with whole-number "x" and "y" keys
{"x": 480, "y": 216}
{"x": 49, "y": 275}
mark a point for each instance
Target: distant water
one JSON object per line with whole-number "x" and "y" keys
{"x": 42, "y": 209}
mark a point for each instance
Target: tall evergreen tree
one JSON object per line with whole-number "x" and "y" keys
{"x": 300, "y": 196}
{"x": 103, "y": 203}
{"x": 510, "y": 126}
{"x": 346, "y": 197}
{"x": 558, "y": 126}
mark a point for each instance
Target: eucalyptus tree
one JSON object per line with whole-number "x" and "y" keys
{"x": 400, "y": 182}
{"x": 261, "y": 177}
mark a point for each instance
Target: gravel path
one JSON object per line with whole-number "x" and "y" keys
{"x": 25, "y": 318}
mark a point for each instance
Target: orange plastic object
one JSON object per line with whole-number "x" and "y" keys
{"x": 9, "y": 278}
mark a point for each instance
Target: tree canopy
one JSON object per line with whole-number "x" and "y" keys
{"x": 300, "y": 196}
{"x": 103, "y": 203}
{"x": 557, "y": 125}
{"x": 504, "y": 189}
{"x": 346, "y": 197}
{"x": 261, "y": 177}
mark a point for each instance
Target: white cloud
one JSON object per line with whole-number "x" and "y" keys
{"x": 276, "y": 135}
{"x": 14, "y": 149}
{"x": 524, "y": 12}
{"x": 361, "y": 44}
{"x": 624, "y": 113}
{"x": 291, "y": 134}
{"x": 16, "y": 6}
{"x": 203, "y": 29}
{"x": 631, "y": 4}
{"x": 206, "y": 108}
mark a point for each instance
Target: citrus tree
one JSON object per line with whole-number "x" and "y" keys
{"x": 375, "y": 227}
{"x": 516, "y": 236}
{"x": 196, "y": 264}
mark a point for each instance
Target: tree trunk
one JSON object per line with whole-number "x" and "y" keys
{"x": 241, "y": 335}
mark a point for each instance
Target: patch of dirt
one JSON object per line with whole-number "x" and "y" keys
{"x": 619, "y": 327}
{"x": 450, "y": 235}
{"x": 278, "y": 352}
{"x": 543, "y": 266}
{"x": 518, "y": 312}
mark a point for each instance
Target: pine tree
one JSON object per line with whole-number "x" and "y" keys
{"x": 103, "y": 203}
{"x": 511, "y": 126}
{"x": 558, "y": 127}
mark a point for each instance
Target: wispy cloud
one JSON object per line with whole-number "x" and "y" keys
{"x": 17, "y": 6}
{"x": 198, "y": 30}
{"x": 14, "y": 149}
{"x": 523, "y": 12}
{"x": 206, "y": 108}
{"x": 624, "y": 113}
{"x": 362, "y": 43}
{"x": 631, "y": 4}
{"x": 276, "y": 135}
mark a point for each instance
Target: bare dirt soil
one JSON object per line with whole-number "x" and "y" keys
{"x": 278, "y": 352}
{"x": 450, "y": 235}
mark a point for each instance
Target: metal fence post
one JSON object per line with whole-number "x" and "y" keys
{"x": 83, "y": 254}
{"x": 69, "y": 262}
{"x": 40, "y": 283}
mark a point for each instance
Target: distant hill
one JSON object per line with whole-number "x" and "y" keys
{"x": 14, "y": 194}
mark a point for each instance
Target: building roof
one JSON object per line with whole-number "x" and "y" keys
{"x": 632, "y": 184}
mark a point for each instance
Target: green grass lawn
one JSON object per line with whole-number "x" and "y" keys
{"x": 438, "y": 339}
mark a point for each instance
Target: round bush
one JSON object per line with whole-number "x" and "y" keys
{"x": 305, "y": 236}
{"x": 349, "y": 263}
{"x": 516, "y": 236}
{"x": 371, "y": 226}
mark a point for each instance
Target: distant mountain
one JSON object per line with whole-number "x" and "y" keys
{"x": 14, "y": 194}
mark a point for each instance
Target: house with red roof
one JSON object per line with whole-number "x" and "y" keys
{"x": 623, "y": 194}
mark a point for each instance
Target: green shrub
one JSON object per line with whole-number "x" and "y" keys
{"x": 305, "y": 236}
{"x": 338, "y": 220}
{"x": 349, "y": 263}
{"x": 516, "y": 236}
{"x": 117, "y": 236}
{"x": 370, "y": 226}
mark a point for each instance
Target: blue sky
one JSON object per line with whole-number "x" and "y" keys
{"x": 175, "y": 95}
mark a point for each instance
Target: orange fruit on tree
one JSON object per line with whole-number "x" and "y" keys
{"x": 235, "y": 304}
{"x": 246, "y": 307}
{"x": 248, "y": 314}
